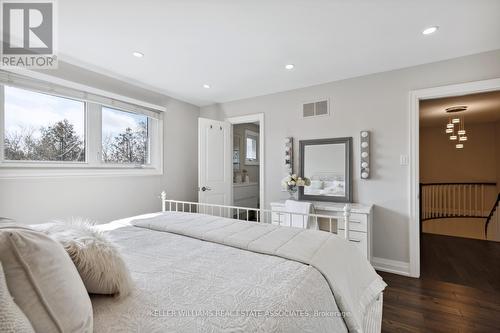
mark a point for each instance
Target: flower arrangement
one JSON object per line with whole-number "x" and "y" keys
{"x": 292, "y": 182}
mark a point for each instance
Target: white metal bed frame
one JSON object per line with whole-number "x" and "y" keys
{"x": 261, "y": 215}
{"x": 372, "y": 322}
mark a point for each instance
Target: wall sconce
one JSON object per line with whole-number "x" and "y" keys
{"x": 289, "y": 155}
{"x": 365, "y": 154}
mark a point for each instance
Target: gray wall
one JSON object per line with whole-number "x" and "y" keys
{"x": 379, "y": 103}
{"x": 109, "y": 198}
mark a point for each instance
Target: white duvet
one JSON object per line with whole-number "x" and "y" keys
{"x": 184, "y": 284}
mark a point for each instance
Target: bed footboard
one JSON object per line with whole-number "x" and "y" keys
{"x": 253, "y": 214}
{"x": 373, "y": 317}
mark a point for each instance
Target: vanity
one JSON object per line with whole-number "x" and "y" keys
{"x": 327, "y": 164}
{"x": 246, "y": 194}
{"x": 360, "y": 221}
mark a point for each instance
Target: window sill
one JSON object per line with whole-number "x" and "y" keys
{"x": 9, "y": 171}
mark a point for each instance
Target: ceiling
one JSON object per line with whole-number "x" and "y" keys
{"x": 481, "y": 108}
{"x": 240, "y": 47}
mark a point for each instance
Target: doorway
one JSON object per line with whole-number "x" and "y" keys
{"x": 432, "y": 200}
{"x": 459, "y": 189}
{"x": 247, "y": 151}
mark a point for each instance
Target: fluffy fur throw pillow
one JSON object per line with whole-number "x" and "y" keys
{"x": 98, "y": 261}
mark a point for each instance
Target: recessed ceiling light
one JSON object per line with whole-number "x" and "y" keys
{"x": 206, "y": 86}
{"x": 290, "y": 66}
{"x": 138, "y": 54}
{"x": 430, "y": 30}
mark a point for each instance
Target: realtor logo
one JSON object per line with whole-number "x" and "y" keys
{"x": 28, "y": 34}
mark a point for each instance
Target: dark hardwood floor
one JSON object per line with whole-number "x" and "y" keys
{"x": 458, "y": 291}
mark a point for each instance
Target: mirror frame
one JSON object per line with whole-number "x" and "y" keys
{"x": 347, "y": 142}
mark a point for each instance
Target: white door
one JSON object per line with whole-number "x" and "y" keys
{"x": 214, "y": 162}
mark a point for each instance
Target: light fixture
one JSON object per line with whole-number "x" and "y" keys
{"x": 138, "y": 54}
{"x": 365, "y": 154}
{"x": 430, "y": 30}
{"x": 290, "y": 66}
{"x": 454, "y": 118}
{"x": 206, "y": 86}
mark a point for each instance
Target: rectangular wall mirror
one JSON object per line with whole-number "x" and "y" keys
{"x": 327, "y": 163}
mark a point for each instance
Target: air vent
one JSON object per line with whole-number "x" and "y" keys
{"x": 315, "y": 109}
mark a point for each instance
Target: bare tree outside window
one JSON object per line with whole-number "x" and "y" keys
{"x": 124, "y": 137}
{"x": 40, "y": 127}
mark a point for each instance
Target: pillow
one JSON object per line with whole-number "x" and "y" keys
{"x": 98, "y": 261}
{"x": 12, "y": 319}
{"x": 317, "y": 184}
{"x": 44, "y": 282}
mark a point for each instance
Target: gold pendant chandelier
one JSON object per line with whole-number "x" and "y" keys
{"x": 455, "y": 126}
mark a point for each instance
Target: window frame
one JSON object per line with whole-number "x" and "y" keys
{"x": 252, "y": 135}
{"x": 93, "y": 164}
{"x": 150, "y": 124}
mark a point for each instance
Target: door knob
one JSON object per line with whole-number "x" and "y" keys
{"x": 206, "y": 188}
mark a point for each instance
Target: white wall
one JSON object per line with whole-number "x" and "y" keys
{"x": 109, "y": 198}
{"x": 379, "y": 103}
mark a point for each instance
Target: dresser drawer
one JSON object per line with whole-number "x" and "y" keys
{"x": 251, "y": 202}
{"x": 245, "y": 192}
{"x": 278, "y": 218}
{"x": 357, "y": 222}
{"x": 359, "y": 239}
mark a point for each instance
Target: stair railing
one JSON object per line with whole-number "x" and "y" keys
{"x": 490, "y": 216}
{"x": 454, "y": 200}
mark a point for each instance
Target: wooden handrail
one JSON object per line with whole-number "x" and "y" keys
{"x": 454, "y": 200}
{"x": 490, "y": 216}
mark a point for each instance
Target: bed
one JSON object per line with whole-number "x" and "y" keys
{"x": 190, "y": 277}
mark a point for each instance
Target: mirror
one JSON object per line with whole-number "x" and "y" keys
{"x": 327, "y": 163}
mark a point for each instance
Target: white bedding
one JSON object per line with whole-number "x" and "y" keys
{"x": 219, "y": 288}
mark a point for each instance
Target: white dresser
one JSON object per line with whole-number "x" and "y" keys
{"x": 360, "y": 222}
{"x": 246, "y": 195}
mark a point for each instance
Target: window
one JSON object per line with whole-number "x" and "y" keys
{"x": 40, "y": 127}
{"x": 45, "y": 129}
{"x": 251, "y": 148}
{"x": 124, "y": 137}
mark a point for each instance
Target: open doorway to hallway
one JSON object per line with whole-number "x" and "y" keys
{"x": 459, "y": 189}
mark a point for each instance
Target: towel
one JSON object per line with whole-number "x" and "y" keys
{"x": 299, "y": 221}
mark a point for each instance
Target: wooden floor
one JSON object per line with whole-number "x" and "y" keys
{"x": 459, "y": 289}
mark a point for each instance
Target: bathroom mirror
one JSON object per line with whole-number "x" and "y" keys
{"x": 327, "y": 163}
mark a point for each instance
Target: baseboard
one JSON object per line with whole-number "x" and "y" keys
{"x": 391, "y": 266}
